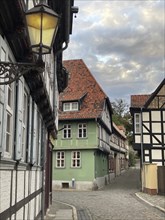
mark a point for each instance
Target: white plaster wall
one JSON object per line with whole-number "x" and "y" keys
{"x": 19, "y": 214}
{"x": 32, "y": 181}
{"x": 38, "y": 204}
{"x": 39, "y": 178}
{"x": 27, "y": 180}
{"x": 13, "y": 217}
{"x": 32, "y": 209}
{"x": 26, "y": 211}
{"x": 5, "y": 179}
{"x": 13, "y": 188}
{"x": 20, "y": 186}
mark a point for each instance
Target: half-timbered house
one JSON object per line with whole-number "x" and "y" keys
{"x": 81, "y": 153}
{"x": 148, "y": 112}
{"x": 28, "y": 112}
{"x": 118, "y": 157}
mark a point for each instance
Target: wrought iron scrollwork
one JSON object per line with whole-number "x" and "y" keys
{"x": 10, "y": 72}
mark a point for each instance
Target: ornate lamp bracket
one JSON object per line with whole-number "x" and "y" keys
{"x": 10, "y": 72}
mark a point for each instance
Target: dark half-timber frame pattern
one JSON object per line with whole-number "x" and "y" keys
{"x": 15, "y": 203}
{"x": 151, "y": 138}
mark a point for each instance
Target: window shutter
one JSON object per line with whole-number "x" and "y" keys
{"x": 2, "y": 99}
{"x": 34, "y": 135}
{"x": 43, "y": 144}
{"x": 19, "y": 118}
{"x": 30, "y": 130}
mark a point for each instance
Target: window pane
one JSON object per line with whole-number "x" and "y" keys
{"x": 65, "y": 134}
{"x": 74, "y": 106}
{"x": 76, "y": 159}
{"x": 67, "y": 131}
{"x": 82, "y": 130}
{"x": 9, "y": 99}
{"x": 8, "y": 133}
{"x": 137, "y": 123}
{"x": 66, "y": 106}
{"x": 60, "y": 159}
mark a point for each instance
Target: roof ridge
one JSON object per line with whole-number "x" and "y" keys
{"x": 82, "y": 81}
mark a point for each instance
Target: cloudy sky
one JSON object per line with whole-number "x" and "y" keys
{"x": 122, "y": 43}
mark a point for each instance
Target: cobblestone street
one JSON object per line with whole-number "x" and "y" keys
{"x": 117, "y": 201}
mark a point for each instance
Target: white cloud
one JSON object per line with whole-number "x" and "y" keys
{"x": 122, "y": 43}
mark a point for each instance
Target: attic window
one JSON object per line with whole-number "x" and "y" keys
{"x": 70, "y": 106}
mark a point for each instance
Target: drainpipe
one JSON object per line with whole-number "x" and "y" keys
{"x": 141, "y": 114}
{"x": 43, "y": 171}
{"x": 142, "y": 155}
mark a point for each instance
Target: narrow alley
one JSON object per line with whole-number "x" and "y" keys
{"x": 117, "y": 201}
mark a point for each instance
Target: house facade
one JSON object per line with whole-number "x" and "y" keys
{"x": 119, "y": 154}
{"x": 148, "y": 112}
{"x": 28, "y": 114}
{"x": 81, "y": 153}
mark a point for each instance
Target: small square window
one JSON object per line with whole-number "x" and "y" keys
{"x": 60, "y": 159}
{"x": 67, "y": 132}
{"x": 137, "y": 123}
{"x": 76, "y": 159}
{"x": 82, "y": 131}
{"x": 70, "y": 106}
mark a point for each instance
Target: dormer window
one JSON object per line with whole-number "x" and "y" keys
{"x": 70, "y": 106}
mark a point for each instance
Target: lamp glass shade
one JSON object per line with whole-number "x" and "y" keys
{"x": 42, "y": 23}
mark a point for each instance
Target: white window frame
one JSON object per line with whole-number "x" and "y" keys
{"x": 70, "y": 106}
{"x": 8, "y": 133}
{"x": 60, "y": 159}
{"x": 7, "y": 109}
{"x": 82, "y": 129}
{"x": 67, "y": 131}
{"x": 30, "y": 109}
{"x": 34, "y": 134}
{"x": 19, "y": 154}
{"x": 137, "y": 123}
{"x": 24, "y": 123}
{"x": 75, "y": 159}
{"x": 9, "y": 112}
{"x": 39, "y": 144}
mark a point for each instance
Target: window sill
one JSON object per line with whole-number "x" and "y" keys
{"x": 7, "y": 164}
{"x": 66, "y": 138}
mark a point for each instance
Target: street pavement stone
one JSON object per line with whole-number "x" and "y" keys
{"x": 116, "y": 201}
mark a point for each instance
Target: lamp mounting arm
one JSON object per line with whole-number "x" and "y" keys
{"x": 10, "y": 72}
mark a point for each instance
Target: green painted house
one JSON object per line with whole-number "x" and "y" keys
{"x": 85, "y": 124}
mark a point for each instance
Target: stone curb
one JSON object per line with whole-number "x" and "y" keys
{"x": 75, "y": 217}
{"x": 149, "y": 203}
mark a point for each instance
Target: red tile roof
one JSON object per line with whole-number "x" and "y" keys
{"x": 82, "y": 84}
{"x": 138, "y": 101}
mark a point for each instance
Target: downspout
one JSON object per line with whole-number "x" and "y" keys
{"x": 44, "y": 141}
{"x": 142, "y": 155}
{"x": 98, "y": 139}
{"x": 141, "y": 131}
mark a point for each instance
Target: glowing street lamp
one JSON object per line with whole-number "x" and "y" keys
{"x": 42, "y": 24}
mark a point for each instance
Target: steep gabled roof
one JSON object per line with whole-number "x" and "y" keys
{"x": 155, "y": 93}
{"x": 138, "y": 101}
{"x": 82, "y": 87}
